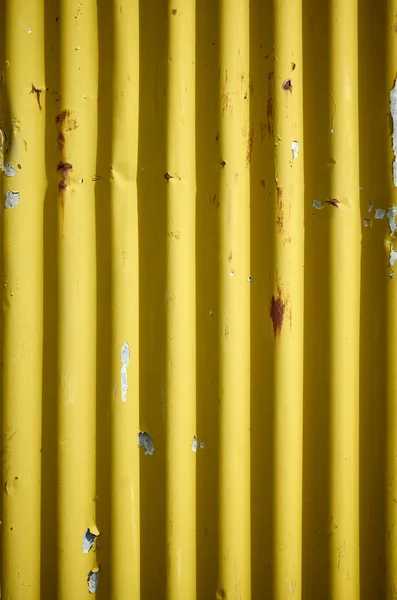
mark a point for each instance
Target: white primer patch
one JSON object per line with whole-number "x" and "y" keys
{"x": 11, "y": 199}
{"x": 125, "y": 359}
{"x": 393, "y": 113}
{"x": 93, "y": 581}
{"x": 9, "y": 170}
{"x": 391, "y": 215}
{"x": 295, "y": 149}
{"x": 393, "y": 256}
{"x": 88, "y": 540}
{"x": 146, "y": 441}
{"x": 317, "y": 204}
{"x": 379, "y": 213}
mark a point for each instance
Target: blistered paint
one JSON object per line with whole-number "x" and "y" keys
{"x": 393, "y": 113}
{"x": 11, "y": 199}
{"x": 125, "y": 359}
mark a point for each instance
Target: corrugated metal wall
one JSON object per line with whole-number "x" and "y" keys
{"x": 199, "y": 330}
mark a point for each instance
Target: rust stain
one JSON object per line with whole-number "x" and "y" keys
{"x": 287, "y": 86}
{"x": 36, "y": 91}
{"x": 269, "y": 106}
{"x": 250, "y": 143}
{"x": 63, "y": 168}
{"x": 280, "y": 209}
{"x": 277, "y": 310}
{"x": 65, "y": 123}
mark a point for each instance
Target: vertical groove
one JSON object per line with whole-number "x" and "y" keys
{"x": 345, "y": 304}
{"x": 234, "y": 322}
{"x": 77, "y": 131}
{"x": 23, "y": 298}
{"x": 286, "y": 304}
{"x": 180, "y": 180}
{"x": 391, "y": 356}
{"x": 125, "y": 319}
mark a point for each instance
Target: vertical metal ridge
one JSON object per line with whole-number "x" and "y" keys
{"x": 180, "y": 179}
{"x": 344, "y": 301}
{"x": 124, "y": 399}
{"x": 76, "y": 144}
{"x": 24, "y": 185}
{"x": 235, "y": 139}
{"x": 286, "y": 303}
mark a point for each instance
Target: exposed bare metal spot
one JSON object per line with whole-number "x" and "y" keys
{"x": 11, "y": 199}
{"x": 319, "y": 204}
{"x": 89, "y": 538}
{"x": 96, "y": 177}
{"x": 277, "y": 310}
{"x": 93, "y": 580}
{"x": 223, "y": 163}
{"x": 146, "y": 441}
{"x": 167, "y": 176}
{"x": 287, "y": 85}
{"x": 36, "y": 91}
{"x": 9, "y": 170}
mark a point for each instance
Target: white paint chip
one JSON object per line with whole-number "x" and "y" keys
{"x": 88, "y": 540}
{"x": 146, "y": 441}
{"x": 9, "y": 170}
{"x": 125, "y": 359}
{"x": 391, "y": 215}
{"x": 317, "y": 204}
{"x": 379, "y": 213}
{"x": 11, "y": 199}
{"x": 393, "y": 256}
{"x": 295, "y": 149}
{"x": 93, "y": 580}
{"x": 393, "y": 112}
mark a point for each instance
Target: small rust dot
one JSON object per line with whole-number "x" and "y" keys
{"x": 287, "y": 85}
{"x": 167, "y": 176}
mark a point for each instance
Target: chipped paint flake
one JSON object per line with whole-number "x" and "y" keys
{"x": 195, "y": 444}
{"x": 393, "y": 256}
{"x": 9, "y": 170}
{"x": 391, "y": 215}
{"x": 202, "y": 445}
{"x": 93, "y": 580}
{"x": 317, "y": 204}
{"x": 125, "y": 359}
{"x": 146, "y": 441}
{"x": 89, "y": 538}
{"x": 367, "y": 222}
{"x": 370, "y": 207}
{"x": 11, "y": 199}
{"x": 379, "y": 213}
{"x": 393, "y": 113}
{"x": 295, "y": 149}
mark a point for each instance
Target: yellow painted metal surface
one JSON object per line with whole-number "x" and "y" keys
{"x": 198, "y": 248}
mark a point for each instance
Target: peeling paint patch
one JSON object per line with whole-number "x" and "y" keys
{"x": 9, "y": 170}
{"x": 295, "y": 149}
{"x": 379, "y": 213}
{"x": 367, "y": 222}
{"x": 370, "y": 207}
{"x": 277, "y": 310}
{"x": 391, "y": 215}
{"x": 89, "y": 538}
{"x": 11, "y": 199}
{"x": 317, "y": 204}
{"x": 393, "y": 113}
{"x": 146, "y": 441}
{"x": 93, "y": 580}
{"x": 393, "y": 256}
{"x": 125, "y": 359}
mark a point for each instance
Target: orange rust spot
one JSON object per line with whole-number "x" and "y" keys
{"x": 280, "y": 209}
{"x": 277, "y": 310}
{"x": 250, "y": 143}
